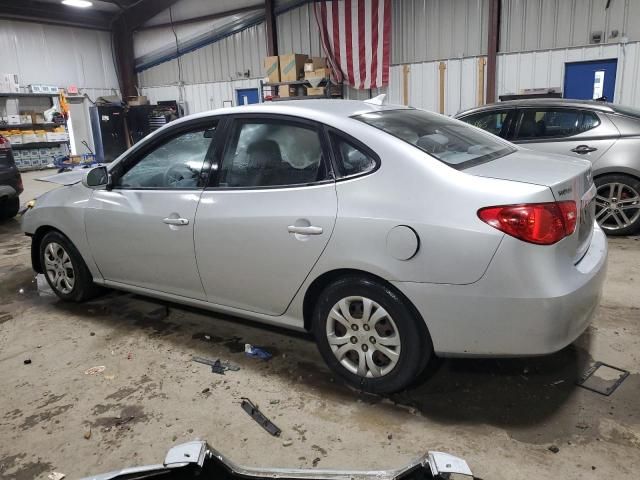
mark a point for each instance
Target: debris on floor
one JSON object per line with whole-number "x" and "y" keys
{"x": 256, "y": 352}
{"x": 87, "y": 433}
{"x": 260, "y": 418}
{"x": 287, "y": 443}
{"x": 95, "y": 370}
{"x": 602, "y": 378}
{"x": 56, "y": 476}
{"x": 216, "y": 365}
{"x": 5, "y": 317}
{"x": 553, "y": 449}
{"x": 27, "y": 361}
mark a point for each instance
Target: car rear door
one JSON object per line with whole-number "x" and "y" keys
{"x": 496, "y": 121}
{"x": 141, "y": 231}
{"x": 268, "y": 214}
{"x": 567, "y": 131}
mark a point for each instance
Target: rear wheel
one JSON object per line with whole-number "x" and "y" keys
{"x": 618, "y": 204}
{"x": 65, "y": 270}
{"x": 9, "y": 208}
{"x": 370, "y": 336}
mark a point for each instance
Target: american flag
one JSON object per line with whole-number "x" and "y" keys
{"x": 356, "y": 38}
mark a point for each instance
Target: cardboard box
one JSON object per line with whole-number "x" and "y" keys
{"x": 285, "y": 91}
{"x": 13, "y": 120}
{"x": 272, "y": 69}
{"x": 9, "y": 83}
{"x": 320, "y": 73}
{"x": 137, "y": 101}
{"x": 316, "y": 90}
{"x": 315, "y": 63}
{"x": 37, "y": 118}
{"x": 291, "y": 67}
{"x": 25, "y": 118}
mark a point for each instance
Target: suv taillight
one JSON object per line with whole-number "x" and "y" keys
{"x": 5, "y": 144}
{"x": 539, "y": 223}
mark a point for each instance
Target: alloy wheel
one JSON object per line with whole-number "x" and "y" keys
{"x": 363, "y": 337}
{"x": 59, "y": 268}
{"x": 617, "y": 206}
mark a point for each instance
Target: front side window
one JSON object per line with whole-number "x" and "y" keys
{"x": 265, "y": 153}
{"x": 554, "y": 123}
{"x": 177, "y": 163}
{"x": 492, "y": 122}
{"x": 450, "y": 141}
{"x": 351, "y": 160}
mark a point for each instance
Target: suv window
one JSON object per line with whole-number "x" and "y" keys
{"x": 492, "y": 122}
{"x": 176, "y": 163}
{"x": 351, "y": 159}
{"x": 266, "y": 153}
{"x": 554, "y": 123}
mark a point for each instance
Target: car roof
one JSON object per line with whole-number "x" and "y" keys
{"x": 543, "y": 102}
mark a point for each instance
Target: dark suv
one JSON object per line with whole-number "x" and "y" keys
{"x": 10, "y": 181}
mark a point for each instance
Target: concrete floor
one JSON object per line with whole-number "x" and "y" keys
{"x": 500, "y": 415}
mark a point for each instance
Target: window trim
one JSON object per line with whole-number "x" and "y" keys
{"x": 336, "y": 156}
{"x": 235, "y": 119}
{"x": 146, "y": 147}
{"x": 520, "y": 114}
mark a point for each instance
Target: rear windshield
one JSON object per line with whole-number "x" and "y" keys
{"x": 450, "y": 141}
{"x": 628, "y": 111}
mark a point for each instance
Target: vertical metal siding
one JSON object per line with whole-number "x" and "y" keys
{"x": 542, "y": 24}
{"x": 57, "y": 55}
{"x": 426, "y": 30}
{"x": 298, "y": 32}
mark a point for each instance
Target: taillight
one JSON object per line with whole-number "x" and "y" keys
{"x": 539, "y": 223}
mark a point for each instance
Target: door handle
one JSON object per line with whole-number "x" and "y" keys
{"x": 312, "y": 230}
{"x": 582, "y": 149}
{"x": 176, "y": 221}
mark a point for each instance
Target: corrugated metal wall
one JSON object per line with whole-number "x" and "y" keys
{"x": 438, "y": 29}
{"x": 541, "y": 24}
{"x": 298, "y": 32}
{"x": 56, "y": 55}
{"x": 225, "y": 60}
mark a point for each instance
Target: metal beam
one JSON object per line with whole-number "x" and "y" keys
{"x": 270, "y": 28}
{"x": 204, "y": 18}
{"x": 492, "y": 47}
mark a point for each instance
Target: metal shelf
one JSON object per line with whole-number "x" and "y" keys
{"x": 299, "y": 97}
{"x": 296, "y": 82}
{"x": 31, "y": 125}
{"x": 33, "y": 145}
{"x": 25, "y": 95}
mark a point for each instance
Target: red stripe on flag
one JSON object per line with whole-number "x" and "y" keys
{"x": 336, "y": 36}
{"x": 386, "y": 42}
{"x": 348, "y": 34}
{"x": 374, "y": 44}
{"x": 361, "y": 50}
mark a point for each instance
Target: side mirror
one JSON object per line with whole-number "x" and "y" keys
{"x": 97, "y": 177}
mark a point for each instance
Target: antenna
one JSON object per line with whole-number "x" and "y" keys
{"x": 379, "y": 100}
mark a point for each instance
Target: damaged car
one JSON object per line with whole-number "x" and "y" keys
{"x": 390, "y": 233}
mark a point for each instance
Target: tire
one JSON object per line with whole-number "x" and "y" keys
{"x": 616, "y": 210}
{"x": 9, "y": 208}
{"x": 397, "y": 323}
{"x": 76, "y": 284}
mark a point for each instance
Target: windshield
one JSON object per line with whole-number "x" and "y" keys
{"x": 450, "y": 141}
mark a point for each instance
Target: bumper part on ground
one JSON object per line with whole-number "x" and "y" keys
{"x": 198, "y": 460}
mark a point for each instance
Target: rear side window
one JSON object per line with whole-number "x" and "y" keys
{"x": 351, "y": 159}
{"x": 492, "y": 122}
{"x": 554, "y": 123}
{"x": 270, "y": 153}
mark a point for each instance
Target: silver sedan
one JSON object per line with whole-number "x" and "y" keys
{"x": 390, "y": 233}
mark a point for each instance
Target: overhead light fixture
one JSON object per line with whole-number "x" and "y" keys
{"x": 77, "y": 3}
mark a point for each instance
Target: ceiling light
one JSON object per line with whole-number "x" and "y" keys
{"x": 77, "y": 3}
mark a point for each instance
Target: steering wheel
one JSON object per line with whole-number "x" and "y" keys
{"x": 178, "y": 173}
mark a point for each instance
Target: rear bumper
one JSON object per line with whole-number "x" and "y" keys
{"x": 7, "y": 191}
{"x": 526, "y": 304}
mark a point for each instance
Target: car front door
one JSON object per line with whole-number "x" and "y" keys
{"x": 578, "y": 133}
{"x": 268, "y": 214}
{"x": 141, "y": 231}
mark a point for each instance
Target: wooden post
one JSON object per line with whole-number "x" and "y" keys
{"x": 480, "y": 93}
{"x": 405, "y": 84}
{"x": 442, "y": 67}
{"x": 492, "y": 48}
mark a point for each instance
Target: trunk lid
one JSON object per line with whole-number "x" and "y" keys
{"x": 568, "y": 178}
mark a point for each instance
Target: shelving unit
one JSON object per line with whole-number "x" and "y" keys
{"x": 330, "y": 87}
{"x": 34, "y": 145}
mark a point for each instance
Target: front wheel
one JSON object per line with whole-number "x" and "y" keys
{"x": 370, "y": 336}
{"x": 618, "y": 204}
{"x": 65, "y": 270}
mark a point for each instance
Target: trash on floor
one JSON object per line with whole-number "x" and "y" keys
{"x": 27, "y": 361}
{"x": 259, "y": 417}
{"x": 216, "y": 365}
{"x": 602, "y": 378}
{"x": 56, "y": 476}
{"x": 95, "y": 370}
{"x": 256, "y": 352}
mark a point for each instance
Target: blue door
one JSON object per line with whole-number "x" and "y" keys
{"x": 246, "y": 96}
{"x": 590, "y": 80}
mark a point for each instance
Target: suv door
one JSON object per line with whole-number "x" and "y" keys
{"x": 141, "y": 231}
{"x": 498, "y": 122}
{"x": 268, "y": 214}
{"x": 567, "y": 131}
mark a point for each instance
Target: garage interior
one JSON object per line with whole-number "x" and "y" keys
{"x": 119, "y": 70}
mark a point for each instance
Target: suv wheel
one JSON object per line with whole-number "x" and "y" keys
{"x": 65, "y": 270}
{"x": 370, "y": 336}
{"x": 618, "y": 204}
